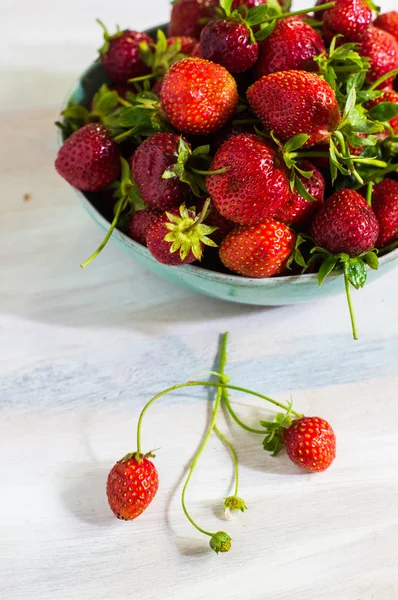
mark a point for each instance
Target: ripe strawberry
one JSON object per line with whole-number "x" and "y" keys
{"x": 140, "y": 222}
{"x": 291, "y": 46}
{"x": 310, "y": 443}
{"x": 187, "y": 43}
{"x": 388, "y": 22}
{"x": 348, "y": 18}
{"x": 381, "y": 48}
{"x": 151, "y": 159}
{"x": 157, "y": 87}
{"x": 298, "y": 211}
{"x": 198, "y": 96}
{"x": 121, "y": 57}
{"x": 255, "y": 185}
{"x": 132, "y": 485}
{"x": 385, "y": 206}
{"x": 187, "y": 17}
{"x": 197, "y": 51}
{"x": 89, "y": 160}
{"x": 227, "y": 42}
{"x": 258, "y": 250}
{"x": 345, "y": 223}
{"x": 293, "y": 102}
{"x": 388, "y": 96}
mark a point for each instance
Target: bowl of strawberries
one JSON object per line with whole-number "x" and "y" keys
{"x": 244, "y": 150}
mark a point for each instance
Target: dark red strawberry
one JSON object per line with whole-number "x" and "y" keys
{"x": 132, "y": 485}
{"x": 292, "y": 45}
{"x": 348, "y": 18}
{"x": 381, "y": 48}
{"x": 388, "y": 96}
{"x": 293, "y": 102}
{"x": 140, "y": 222}
{"x": 89, "y": 160}
{"x": 298, "y": 211}
{"x": 197, "y": 51}
{"x": 227, "y": 42}
{"x": 151, "y": 159}
{"x": 187, "y": 43}
{"x": 385, "y": 206}
{"x": 345, "y": 223}
{"x": 121, "y": 57}
{"x": 198, "y": 96}
{"x": 258, "y": 250}
{"x": 255, "y": 185}
{"x": 188, "y": 17}
{"x": 310, "y": 443}
{"x": 388, "y": 22}
{"x": 157, "y": 86}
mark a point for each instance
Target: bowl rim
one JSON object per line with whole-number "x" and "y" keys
{"x": 198, "y": 271}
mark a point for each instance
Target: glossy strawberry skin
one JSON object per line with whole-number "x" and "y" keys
{"x": 381, "y": 48}
{"x": 151, "y": 159}
{"x": 291, "y": 46}
{"x": 131, "y": 487}
{"x": 345, "y": 223}
{"x": 187, "y": 43}
{"x": 348, "y": 18}
{"x": 255, "y": 184}
{"x": 258, "y": 250}
{"x": 293, "y": 102}
{"x": 123, "y": 61}
{"x": 140, "y": 222}
{"x": 187, "y": 15}
{"x": 198, "y": 96}
{"x": 388, "y": 22}
{"x": 388, "y": 96}
{"x": 227, "y": 43}
{"x": 159, "y": 248}
{"x": 89, "y": 160}
{"x": 385, "y": 206}
{"x": 310, "y": 443}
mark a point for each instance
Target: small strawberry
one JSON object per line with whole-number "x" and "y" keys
{"x": 132, "y": 485}
{"x": 293, "y": 102}
{"x": 229, "y": 43}
{"x": 188, "y": 17}
{"x": 121, "y": 56}
{"x": 310, "y": 443}
{"x": 348, "y": 18}
{"x": 258, "y": 250}
{"x": 292, "y": 45}
{"x": 187, "y": 44}
{"x": 385, "y": 206}
{"x": 381, "y": 48}
{"x": 198, "y": 96}
{"x": 255, "y": 184}
{"x": 388, "y": 22}
{"x": 387, "y": 96}
{"x": 140, "y": 222}
{"x": 89, "y": 160}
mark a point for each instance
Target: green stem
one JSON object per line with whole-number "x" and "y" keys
{"x": 142, "y": 78}
{"x": 377, "y": 175}
{"x": 201, "y": 216}
{"x": 216, "y": 172}
{"x": 106, "y": 238}
{"x": 350, "y": 307}
{"x": 376, "y": 84}
{"x": 236, "y": 418}
{"x": 309, "y": 154}
{"x": 124, "y": 135}
{"x": 348, "y": 69}
{"x": 370, "y": 161}
{"x": 369, "y": 192}
{"x": 234, "y": 457}
{"x": 303, "y": 11}
{"x": 347, "y": 156}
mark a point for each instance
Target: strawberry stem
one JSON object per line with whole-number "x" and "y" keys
{"x": 106, "y": 238}
{"x": 122, "y": 136}
{"x": 376, "y": 84}
{"x": 302, "y": 11}
{"x": 234, "y": 457}
{"x": 236, "y": 418}
{"x": 216, "y": 172}
{"x": 350, "y": 307}
{"x": 369, "y": 192}
{"x": 309, "y": 154}
{"x": 377, "y": 175}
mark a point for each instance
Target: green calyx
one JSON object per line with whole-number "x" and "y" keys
{"x": 273, "y": 441}
{"x": 233, "y": 503}
{"x": 290, "y": 157}
{"x": 260, "y": 17}
{"x": 220, "y": 542}
{"x": 137, "y": 456}
{"x": 159, "y": 57}
{"x": 188, "y": 233}
{"x": 107, "y": 37}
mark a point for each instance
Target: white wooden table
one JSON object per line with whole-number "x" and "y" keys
{"x": 82, "y": 351}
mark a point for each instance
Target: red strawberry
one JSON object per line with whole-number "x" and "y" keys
{"x": 197, "y": 51}
{"x": 292, "y": 45}
{"x": 157, "y": 86}
{"x": 258, "y": 250}
{"x": 310, "y": 443}
{"x": 345, "y": 223}
{"x": 318, "y": 15}
{"x": 151, "y": 159}
{"x": 187, "y": 17}
{"x": 385, "y": 206}
{"x": 381, "y": 48}
{"x": 255, "y": 185}
{"x": 388, "y": 96}
{"x": 348, "y": 18}
{"x": 132, "y": 485}
{"x": 89, "y": 160}
{"x": 227, "y": 42}
{"x": 298, "y": 211}
{"x": 198, "y": 96}
{"x": 120, "y": 55}
{"x": 293, "y": 102}
{"x": 388, "y": 22}
{"x": 140, "y": 222}
{"x": 187, "y": 43}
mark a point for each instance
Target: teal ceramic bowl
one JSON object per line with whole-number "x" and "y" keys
{"x": 263, "y": 292}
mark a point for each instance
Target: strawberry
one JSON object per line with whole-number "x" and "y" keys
{"x": 258, "y": 250}
{"x": 293, "y": 102}
{"x": 121, "y": 57}
{"x": 228, "y": 43}
{"x": 345, "y": 223}
{"x": 255, "y": 184}
{"x": 132, "y": 485}
{"x": 385, "y": 206}
{"x": 151, "y": 159}
{"x": 198, "y": 96}
{"x": 197, "y": 51}
{"x": 89, "y": 160}
{"x": 188, "y": 16}
{"x": 388, "y": 22}
{"x": 157, "y": 86}
{"x": 387, "y": 96}
{"x": 187, "y": 44}
{"x": 291, "y": 46}
{"x": 215, "y": 219}
{"x": 381, "y": 48}
{"x": 298, "y": 211}
{"x": 140, "y": 222}
{"x": 310, "y": 443}
{"x": 348, "y": 18}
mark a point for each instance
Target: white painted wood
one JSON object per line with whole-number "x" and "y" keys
{"x": 81, "y": 352}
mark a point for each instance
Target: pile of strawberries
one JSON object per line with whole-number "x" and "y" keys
{"x": 257, "y": 141}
